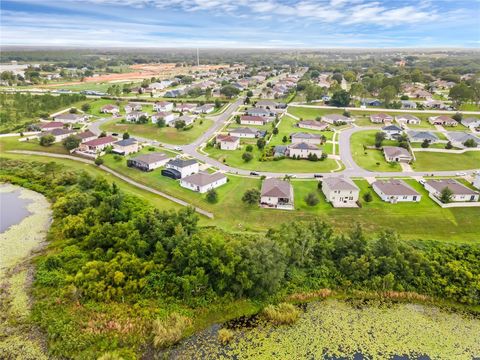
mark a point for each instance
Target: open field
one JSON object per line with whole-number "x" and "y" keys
{"x": 167, "y": 134}
{"x": 430, "y": 161}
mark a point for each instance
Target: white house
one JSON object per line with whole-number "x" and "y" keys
{"x": 132, "y": 107}
{"x": 471, "y": 122}
{"x": 245, "y": 132}
{"x": 70, "y": 118}
{"x": 228, "y": 142}
{"x": 184, "y": 167}
{"x": 185, "y": 107}
{"x": 85, "y": 136}
{"x": 407, "y": 119}
{"x": 59, "y": 134}
{"x": 126, "y": 146}
{"x": 277, "y": 194}
{"x": 313, "y": 139}
{"x": 303, "y": 150}
{"x": 394, "y": 191}
{"x": 110, "y": 109}
{"x": 169, "y": 117}
{"x": 476, "y": 182}
{"x": 312, "y": 125}
{"x": 392, "y": 131}
{"x": 397, "y": 154}
{"x": 134, "y": 116}
{"x": 459, "y": 192}
{"x": 203, "y": 181}
{"x": 442, "y": 120}
{"x": 259, "y": 112}
{"x": 340, "y": 191}
{"x": 252, "y": 120}
{"x": 163, "y": 106}
{"x": 337, "y": 119}
{"x": 204, "y": 109}
{"x": 380, "y": 118}
{"x": 148, "y": 162}
{"x": 96, "y": 145}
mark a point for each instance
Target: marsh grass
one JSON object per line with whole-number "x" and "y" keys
{"x": 281, "y": 314}
{"x": 170, "y": 331}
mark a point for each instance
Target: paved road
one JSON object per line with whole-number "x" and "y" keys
{"x": 116, "y": 174}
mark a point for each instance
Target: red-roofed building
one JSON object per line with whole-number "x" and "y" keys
{"x": 228, "y": 142}
{"x": 97, "y": 144}
{"x": 252, "y": 120}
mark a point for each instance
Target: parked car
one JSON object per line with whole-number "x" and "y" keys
{"x": 317, "y": 176}
{"x": 178, "y": 148}
{"x": 422, "y": 181}
{"x": 461, "y": 174}
{"x": 114, "y": 134}
{"x": 254, "y": 173}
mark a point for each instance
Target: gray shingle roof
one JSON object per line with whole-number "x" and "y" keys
{"x": 276, "y": 188}
{"x": 395, "y": 187}
{"x": 203, "y": 178}
{"x": 339, "y": 183}
{"x": 181, "y": 163}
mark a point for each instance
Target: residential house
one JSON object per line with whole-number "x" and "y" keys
{"x": 421, "y": 136}
{"x": 340, "y": 191}
{"x": 252, "y": 120}
{"x": 110, "y": 109}
{"x": 133, "y": 107}
{"x": 70, "y": 118}
{"x": 183, "y": 167}
{"x": 185, "y": 118}
{"x": 407, "y": 119}
{"x": 380, "y": 118}
{"x": 163, "y": 106}
{"x": 148, "y": 162}
{"x": 204, "y": 109}
{"x": 336, "y": 119}
{"x": 86, "y": 136}
{"x": 97, "y": 145}
{"x": 303, "y": 150}
{"x": 244, "y": 132}
{"x": 169, "y": 117}
{"x": 185, "y": 107}
{"x": 420, "y": 93}
{"x": 459, "y": 191}
{"x": 435, "y": 104}
{"x": 174, "y": 93}
{"x": 228, "y": 142}
{"x": 313, "y": 125}
{"x": 59, "y": 134}
{"x": 397, "y": 154}
{"x": 407, "y": 104}
{"x": 442, "y": 120}
{"x": 276, "y": 194}
{"x": 476, "y": 182}
{"x": 471, "y": 122}
{"x": 259, "y": 112}
{"x": 48, "y": 126}
{"x": 395, "y": 190}
{"x": 126, "y": 146}
{"x": 392, "y": 131}
{"x": 203, "y": 181}
{"x": 280, "y": 150}
{"x": 134, "y": 116}
{"x": 266, "y": 104}
{"x": 458, "y": 138}
{"x": 308, "y": 138}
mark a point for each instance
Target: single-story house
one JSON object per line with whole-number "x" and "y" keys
{"x": 442, "y": 120}
{"x": 340, "y": 191}
{"x": 459, "y": 137}
{"x": 126, "y": 146}
{"x": 459, "y": 191}
{"x": 392, "y": 131}
{"x": 86, "y": 136}
{"x": 276, "y": 194}
{"x": 204, "y": 109}
{"x": 308, "y": 138}
{"x": 184, "y": 167}
{"x": 373, "y": 102}
{"x": 203, "y": 181}
{"x": 185, "y": 107}
{"x": 252, "y": 120}
{"x": 397, "y": 154}
{"x": 407, "y": 119}
{"x": 133, "y": 107}
{"x": 134, "y": 116}
{"x": 59, "y": 134}
{"x": 395, "y": 190}
{"x": 408, "y": 104}
{"x": 421, "y": 136}
{"x": 266, "y": 104}
{"x": 471, "y": 122}
{"x": 259, "y": 112}
{"x": 303, "y": 150}
{"x": 186, "y": 118}
{"x": 110, "y": 109}
{"x": 381, "y": 118}
{"x": 337, "y": 119}
{"x": 148, "y": 162}
{"x": 280, "y": 150}
{"x": 70, "y": 118}
{"x": 47, "y": 126}
{"x": 244, "y": 132}
{"x": 97, "y": 144}
{"x": 476, "y": 182}
{"x": 313, "y": 125}
{"x": 228, "y": 142}
{"x": 169, "y": 117}
{"x": 435, "y": 104}
{"x": 174, "y": 93}
{"x": 163, "y": 106}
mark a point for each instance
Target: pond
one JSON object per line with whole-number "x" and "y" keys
{"x": 13, "y": 208}
{"x": 337, "y": 329}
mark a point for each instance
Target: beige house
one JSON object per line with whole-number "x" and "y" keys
{"x": 340, "y": 191}
{"x": 313, "y": 139}
{"x": 397, "y": 154}
{"x": 277, "y": 194}
{"x": 303, "y": 150}
{"x": 203, "y": 181}
{"x": 395, "y": 190}
{"x": 312, "y": 125}
{"x": 228, "y": 142}
{"x": 459, "y": 191}
{"x": 126, "y": 146}
{"x": 442, "y": 120}
{"x": 381, "y": 118}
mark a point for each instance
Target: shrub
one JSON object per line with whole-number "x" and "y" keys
{"x": 311, "y": 199}
{"x": 249, "y": 148}
{"x": 98, "y": 161}
{"x": 251, "y": 196}
{"x": 246, "y": 156}
{"x": 281, "y": 314}
{"x": 449, "y": 145}
{"x": 47, "y": 140}
{"x": 117, "y": 157}
{"x": 169, "y": 331}
{"x": 368, "y": 197}
{"x": 71, "y": 142}
{"x": 425, "y": 143}
{"x": 225, "y": 336}
{"x": 212, "y": 196}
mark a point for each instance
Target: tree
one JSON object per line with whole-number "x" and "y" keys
{"x": 379, "y": 137}
{"x": 460, "y": 93}
{"x": 457, "y": 117}
{"x": 311, "y": 199}
{"x": 284, "y": 139}
{"x": 470, "y": 143}
{"x": 125, "y": 135}
{"x": 212, "y": 196}
{"x": 73, "y": 110}
{"x": 179, "y": 124}
{"x": 246, "y": 156}
{"x": 368, "y": 197}
{"x": 161, "y": 122}
{"x": 218, "y": 104}
{"x": 387, "y": 94}
{"x": 337, "y": 77}
{"x": 237, "y": 119}
{"x": 249, "y": 93}
{"x": 86, "y": 107}
{"x": 449, "y": 145}
{"x": 261, "y": 143}
{"x": 208, "y": 93}
{"x": 71, "y": 142}
{"x": 143, "y": 119}
{"x": 425, "y": 143}
{"x": 229, "y": 91}
{"x": 98, "y": 161}
{"x": 47, "y": 140}
{"x": 275, "y": 131}
{"x": 249, "y": 148}
{"x": 446, "y": 195}
{"x": 251, "y": 196}
{"x": 340, "y": 98}
{"x": 103, "y": 134}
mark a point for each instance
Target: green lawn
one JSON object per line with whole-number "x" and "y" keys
{"x": 12, "y": 143}
{"x": 167, "y": 135}
{"x": 234, "y": 158}
{"x": 368, "y": 159}
{"x": 430, "y": 161}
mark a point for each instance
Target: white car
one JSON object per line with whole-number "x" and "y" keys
{"x": 178, "y": 148}
{"x": 422, "y": 181}
{"x": 461, "y": 174}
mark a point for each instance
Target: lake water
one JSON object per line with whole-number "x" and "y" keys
{"x": 13, "y": 209}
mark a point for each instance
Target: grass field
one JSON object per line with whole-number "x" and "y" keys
{"x": 368, "y": 159}
{"x": 12, "y": 143}
{"x": 430, "y": 161}
{"x": 167, "y": 135}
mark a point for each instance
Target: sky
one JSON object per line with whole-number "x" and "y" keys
{"x": 242, "y": 23}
